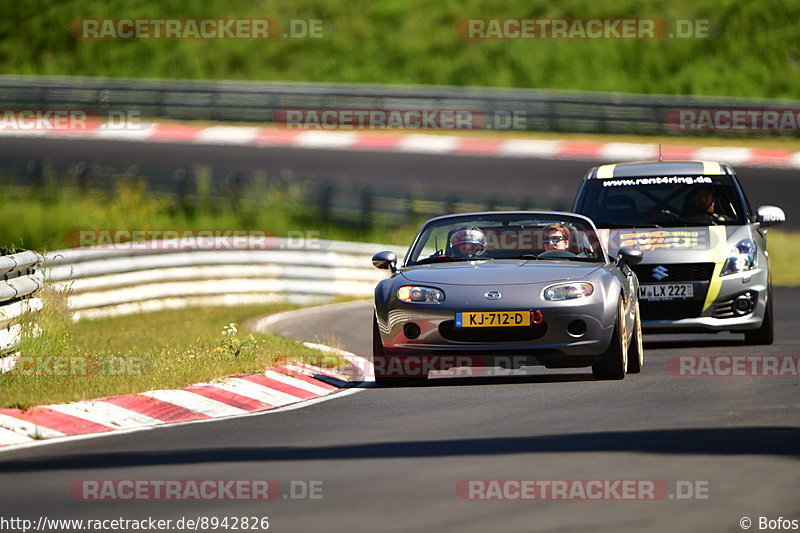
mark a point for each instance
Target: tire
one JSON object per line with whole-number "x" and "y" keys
{"x": 377, "y": 343}
{"x": 766, "y": 333}
{"x": 636, "y": 349}
{"x": 611, "y": 365}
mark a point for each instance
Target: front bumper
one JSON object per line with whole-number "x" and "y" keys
{"x": 714, "y": 317}
{"x": 555, "y": 338}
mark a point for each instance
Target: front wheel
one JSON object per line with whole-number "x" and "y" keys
{"x": 613, "y": 362}
{"x": 766, "y": 333}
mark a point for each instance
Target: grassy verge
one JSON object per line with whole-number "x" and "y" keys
{"x": 49, "y": 218}
{"x": 752, "y": 51}
{"x": 123, "y": 355}
{"x": 783, "y": 248}
{"x": 44, "y": 221}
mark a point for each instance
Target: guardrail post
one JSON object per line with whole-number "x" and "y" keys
{"x": 81, "y": 176}
{"x": 184, "y": 189}
{"x": 35, "y": 170}
{"x": 324, "y": 202}
{"x": 366, "y": 208}
{"x": 450, "y": 204}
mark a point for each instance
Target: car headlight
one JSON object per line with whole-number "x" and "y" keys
{"x": 414, "y": 294}
{"x": 568, "y": 291}
{"x": 740, "y": 258}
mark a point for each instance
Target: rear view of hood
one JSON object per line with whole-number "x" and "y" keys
{"x": 499, "y": 272}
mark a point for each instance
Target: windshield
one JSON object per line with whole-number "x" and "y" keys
{"x": 662, "y": 201}
{"x": 506, "y": 236}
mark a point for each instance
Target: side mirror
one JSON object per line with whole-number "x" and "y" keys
{"x": 385, "y": 259}
{"x": 769, "y": 215}
{"x": 629, "y": 256}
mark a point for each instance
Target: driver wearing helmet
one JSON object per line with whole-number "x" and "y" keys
{"x": 468, "y": 242}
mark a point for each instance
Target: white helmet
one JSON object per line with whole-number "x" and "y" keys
{"x": 469, "y": 242}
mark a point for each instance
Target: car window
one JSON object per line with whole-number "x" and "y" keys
{"x": 507, "y": 236}
{"x": 662, "y": 201}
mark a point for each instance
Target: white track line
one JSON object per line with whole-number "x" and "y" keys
{"x": 12, "y": 437}
{"x": 294, "y": 382}
{"x": 62, "y": 438}
{"x": 105, "y": 414}
{"x": 256, "y": 391}
{"x": 195, "y": 402}
{"x": 428, "y": 144}
{"x": 23, "y": 427}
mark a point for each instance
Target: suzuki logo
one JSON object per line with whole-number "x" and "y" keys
{"x": 493, "y": 295}
{"x": 660, "y": 273}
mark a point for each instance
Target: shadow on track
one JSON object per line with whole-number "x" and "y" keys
{"x": 676, "y": 343}
{"x": 783, "y": 441}
{"x": 484, "y": 380}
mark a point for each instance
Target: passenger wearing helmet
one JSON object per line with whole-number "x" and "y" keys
{"x": 468, "y": 242}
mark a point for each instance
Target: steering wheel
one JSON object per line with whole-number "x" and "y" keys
{"x": 557, "y": 254}
{"x": 670, "y": 212}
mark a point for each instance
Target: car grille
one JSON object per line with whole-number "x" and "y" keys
{"x": 448, "y": 330}
{"x": 674, "y": 310}
{"x": 676, "y": 272}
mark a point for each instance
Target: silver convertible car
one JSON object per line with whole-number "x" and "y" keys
{"x": 507, "y": 289}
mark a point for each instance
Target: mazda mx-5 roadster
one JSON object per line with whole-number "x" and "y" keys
{"x": 507, "y": 289}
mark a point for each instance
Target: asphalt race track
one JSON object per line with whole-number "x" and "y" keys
{"x": 508, "y": 177}
{"x": 389, "y": 459}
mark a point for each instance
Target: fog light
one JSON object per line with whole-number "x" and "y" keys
{"x": 411, "y": 330}
{"x": 743, "y": 304}
{"x": 576, "y": 328}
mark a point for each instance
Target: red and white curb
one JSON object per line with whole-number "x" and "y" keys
{"x": 416, "y": 143}
{"x": 276, "y": 388}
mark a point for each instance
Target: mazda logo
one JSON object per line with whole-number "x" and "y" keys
{"x": 660, "y": 272}
{"x": 493, "y": 295}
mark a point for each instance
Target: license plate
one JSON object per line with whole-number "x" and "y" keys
{"x": 666, "y": 291}
{"x": 493, "y": 319}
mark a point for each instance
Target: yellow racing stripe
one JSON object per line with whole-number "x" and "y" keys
{"x": 718, "y": 240}
{"x": 605, "y": 171}
{"x": 711, "y": 168}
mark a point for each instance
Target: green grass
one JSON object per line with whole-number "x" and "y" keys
{"x": 755, "y": 50}
{"x": 49, "y": 219}
{"x": 45, "y": 220}
{"x": 783, "y": 247}
{"x": 123, "y": 355}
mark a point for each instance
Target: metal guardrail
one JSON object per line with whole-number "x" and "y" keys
{"x": 541, "y": 109}
{"x": 20, "y": 281}
{"x": 126, "y": 279}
